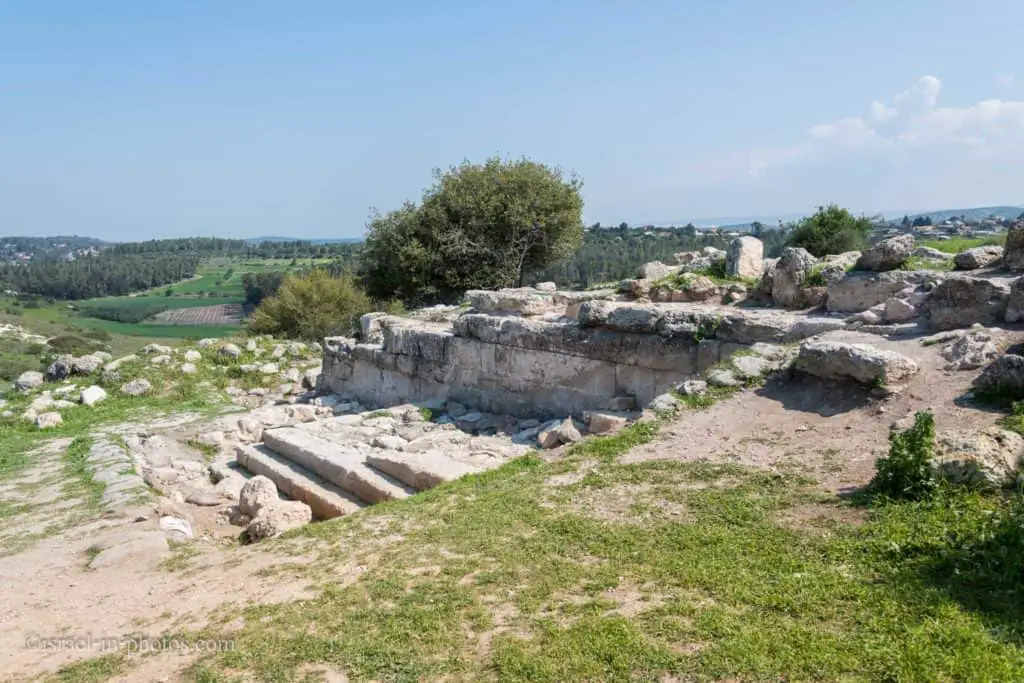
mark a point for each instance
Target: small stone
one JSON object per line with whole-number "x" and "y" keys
{"x": 665, "y": 403}
{"x": 48, "y": 420}
{"x": 160, "y": 360}
{"x": 29, "y": 380}
{"x": 137, "y": 387}
{"x": 204, "y": 498}
{"x": 269, "y": 369}
{"x": 251, "y": 345}
{"x": 604, "y": 423}
{"x": 92, "y": 395}
{"x": 723, "y": 378}
{"x": 229, "y": 351}
{"x": 546, "y": 287}
{"x": 193, "y": 356}
{"x": 278, "y": 518}
{"x": 189, "y": 368}
{"x": 692, "y": 387}
{"x": 258, "y": 492}
{"x": 176, "y": 529}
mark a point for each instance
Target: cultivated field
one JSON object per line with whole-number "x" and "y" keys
{"x": 221, "y": 314}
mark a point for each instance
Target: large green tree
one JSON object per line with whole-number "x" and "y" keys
{"x": 478, "y": 226}
{"x": 831, "y": 230}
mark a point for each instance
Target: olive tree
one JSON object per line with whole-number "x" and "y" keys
{"x": 831, "y": 230}
{"x": 478, "y": 226}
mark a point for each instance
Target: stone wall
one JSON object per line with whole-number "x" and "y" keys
{"x": 615, "y": 356}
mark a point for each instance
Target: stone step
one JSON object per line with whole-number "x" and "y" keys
{"x": 342, "y": 466}
{"x": 324, "y": 498}
{"x": 421, "y": 471}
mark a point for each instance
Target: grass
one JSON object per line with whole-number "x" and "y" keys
{"x": 504, "y": 576}
{"x": 76, "y": 467}
{"x": 955, "y": 245}
{"x": 920, "y": 263}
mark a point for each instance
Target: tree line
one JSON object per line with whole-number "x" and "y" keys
{"x": 105, "y": 274}
{"x": 216, "y": 246}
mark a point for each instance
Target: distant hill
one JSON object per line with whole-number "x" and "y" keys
{"x": 315, "y": 240}
{"x": 977, "y": 213}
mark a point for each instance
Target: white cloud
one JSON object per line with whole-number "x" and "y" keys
{"x": 1006, "y": 81}
{"x": 912, "y": 122}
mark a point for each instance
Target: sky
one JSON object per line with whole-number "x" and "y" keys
{"x": 144, "y": 119}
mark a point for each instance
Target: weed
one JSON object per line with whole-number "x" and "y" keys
{"x": 907, "y": 471}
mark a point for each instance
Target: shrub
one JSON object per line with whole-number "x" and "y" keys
{"x": 907, "y": 471}
{"x": 831, "y": 230}
{"x": 480, "y": 226}
{"x": 312, "y": 306}
{"x": 70, "y": 344}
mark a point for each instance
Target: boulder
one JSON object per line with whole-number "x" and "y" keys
{"x": 604, "y": 423}
{"x": 27, "y": 381}
{"x": 310, "y": 377}
{"x": 835, "y": 266}
{"x": 889, "y": 254}
{"x": 525, "y": 301}
{"x": 92, "y": 395}
{"x": 269, "y": 369}
{"x": 251, "y": 345}
{"x": 48, "y": 420}
{"x": 855, "y": 292}
{"x": 1003, "y": 378}
{"x": 258, "y": 493}
{"x": 978, "y": 257}
{"x": 931, "y": 254}
{"x": 750, "y": 367}
{"x": 163, "y": 359}
{"x": 962, "y": 301}
{"x": 685, "y": 288}
{"x": 546, "y": 287}
{"x": 619, "y": 317}
{"x": 278, "y": 518}
{"x": 176, "y": 529}
{"x": 1013, "y": 251}
{"x": 136, "y": 387}
{"x": 723, "y": 378}
{"x": 790, "y": 276}
{"x": 193, "y": 356}
{"x": 115, "y": 365}
{"x": 970, "y": 350}
{"x": 189, "y": 368}
{"x": 745, "y": 257}
{"x": 986, "y": 459}
{"x": 656, "y": 270}
{"x": 206, "y": 343}
{"x": 86, "y": 365}
{"x": 158, "y": 349}
{"x": 249, "y": 430}
{"x": 229, "y": 350}
{"x": 692, "y": 387}
{"x": 900, "y": 311}
{"x": 567, "y": 432}
{"x": 665, "y": 403}
{"x": 860, "y": 362}
{"x": 1015, "y": 302}
{"x": 59, "y": 369}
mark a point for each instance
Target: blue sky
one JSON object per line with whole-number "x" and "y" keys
{"x": 131, "y": 120}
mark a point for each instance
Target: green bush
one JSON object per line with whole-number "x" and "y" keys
{"x": 70, "y": 344}
{"x": 312, "y": 306}
{"x": 480, "y": 226}
{"x": 831, "y": 230}
{"x": 907, "y": 471}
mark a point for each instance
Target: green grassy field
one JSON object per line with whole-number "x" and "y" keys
{"x": 958, "y": 244}
{"x": 219, "y": 281}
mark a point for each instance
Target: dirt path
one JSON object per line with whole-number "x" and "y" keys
{"x": 829, "y": 431}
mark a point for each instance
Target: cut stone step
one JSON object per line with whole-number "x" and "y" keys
{"x": 419, "y": 470}
{"x": 324, "y": 498}
{"x": 342, "y": 466}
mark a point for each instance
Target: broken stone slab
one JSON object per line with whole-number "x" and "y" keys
{"x": 1013, "y": 250}
{"x": 338, "y": 464}
{"x": 962, "y": 301}
{"x": 92, "y": 395}
{"x": 29, "y": 380}
{"x": 692, "y": 387}
{"x": 789, "y": 278}
{"x": 420, "y": 471}
{"x": 1015, "y": 302}
{"x": 750, "y": 367}
{"x": 324, "y": 498}
{"x": 860, "y": 362}
{"x": 665, "y": 403}
{"x": 176, "y": 529}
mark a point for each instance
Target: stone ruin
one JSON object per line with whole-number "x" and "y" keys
{"x": 429, "y": 397}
